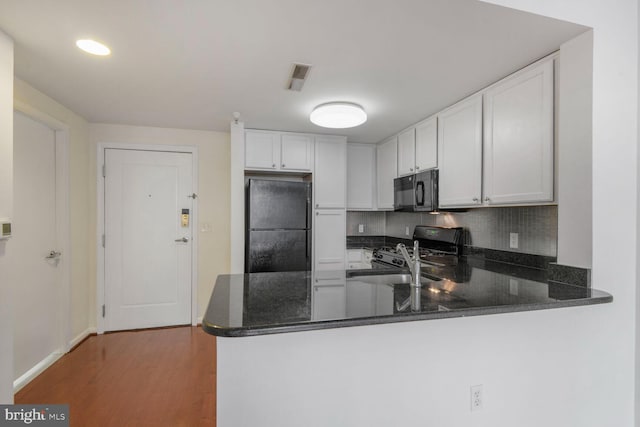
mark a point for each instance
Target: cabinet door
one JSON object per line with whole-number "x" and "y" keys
{"x": 387, "y": 164}
{"x": 262, "y": 150}
{"x": 460, "y": 153}
{"x": 518, "y": 138}
{"x": 406, "y": 152}
{"x": 329, "y": 297}
{"x": 330, "y": 239}
{"x": 296, "y": 153}
{"x": 427, "y": 144}
{"x": 330, "y": 174}
{"x": 361, "y": 160}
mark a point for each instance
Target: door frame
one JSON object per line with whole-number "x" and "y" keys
{"x": 63, "y": 228}
{"x": 100, "y": 252}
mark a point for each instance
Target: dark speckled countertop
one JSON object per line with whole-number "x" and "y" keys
{"x": 267, "y": 303}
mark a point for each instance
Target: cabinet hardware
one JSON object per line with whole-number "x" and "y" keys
{"x": 183, "y": 240}
{"x": 410, "y": 169}
{"x": 417, "y": 167}
{"x": 486, "y": 199}
{"x": 273, "y": 165}
{"x": 283, "y": 165}
{"x": 475, "y": 199}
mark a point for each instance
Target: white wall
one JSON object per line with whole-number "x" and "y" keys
{"x": 615, "y": 176}
{"x": 78, "y": 162}
{"x": 213, "y": 195}
{"x": 6, "y": 211}
{"x": 574, "y": 152}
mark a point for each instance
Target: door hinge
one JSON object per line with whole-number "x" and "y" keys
{"x": 104, "y": 171}
{"x": 104, "y": 307}
{"x": 103, "y": 240}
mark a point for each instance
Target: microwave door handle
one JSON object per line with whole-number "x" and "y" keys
{"x": 420, "y": 200}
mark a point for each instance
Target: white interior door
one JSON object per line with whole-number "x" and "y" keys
{"x": 34, "y": 273}
{"x": 148, "y": 247}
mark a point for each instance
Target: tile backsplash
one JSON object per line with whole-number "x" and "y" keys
{"x": 537, "y": 226}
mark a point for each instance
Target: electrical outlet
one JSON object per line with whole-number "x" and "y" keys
{"x": 513, "y": 240}
{"x": 406, "y": 230}
{"x": 360, "y": 228}
{"x": 476, "y": 397}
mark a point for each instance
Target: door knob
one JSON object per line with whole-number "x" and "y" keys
{"x": 183, "y": 240}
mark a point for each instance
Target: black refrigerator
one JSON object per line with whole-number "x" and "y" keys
{"x": 278, "y": 226}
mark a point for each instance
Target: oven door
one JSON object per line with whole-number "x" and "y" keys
{"x": 403, "y": 193}
{"x": 426, "y": 191}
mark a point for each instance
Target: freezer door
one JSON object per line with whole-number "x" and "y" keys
{"x": 277, "y": 250}
{"x": 278, "y": 205}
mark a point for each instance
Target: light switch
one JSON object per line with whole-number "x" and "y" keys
{"x": 360, "y": 228}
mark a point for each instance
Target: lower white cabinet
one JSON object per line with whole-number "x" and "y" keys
{"x": 359, "y": 259}
{"x": 329, "y": 295}
{"x": 330, "y": 239}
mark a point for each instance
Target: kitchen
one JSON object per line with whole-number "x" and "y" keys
{"x": 604, "y": 83}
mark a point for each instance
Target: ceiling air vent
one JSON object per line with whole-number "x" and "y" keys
{"x": 298, "y": 76}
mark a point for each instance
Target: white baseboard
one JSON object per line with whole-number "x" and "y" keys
{"x": 82, "y": 335}
{"x": 199, "y": 321}
{"x": 36, "y": 370}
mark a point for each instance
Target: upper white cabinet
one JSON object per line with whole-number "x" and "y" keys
{"x": 407, "y": 152}
{"x": 386, "y": 168}
{"x": 330, "y": 175}
{"x": 296, "y": 152}
{"x": 361, "y": 163}
{"x": 427, "y": 144}
{"x": 262, "y": 150}
{"x": 275, "y": 151}
{"x": 518, "y": 138}
{"x": 460, "y": 153}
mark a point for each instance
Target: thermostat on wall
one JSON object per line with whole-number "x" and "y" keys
{"x": 5, "y": 228}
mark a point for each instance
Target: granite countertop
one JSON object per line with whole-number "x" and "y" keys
{"x": 267, "y": 303}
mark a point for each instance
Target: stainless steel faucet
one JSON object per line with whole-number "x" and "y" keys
{"x": 414, "y": 265}
{"x": 412, "y": 260}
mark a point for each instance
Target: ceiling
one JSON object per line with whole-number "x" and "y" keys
{"x": 192, "y": 63}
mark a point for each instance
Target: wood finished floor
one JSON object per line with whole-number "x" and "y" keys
{"x": 161, "y": 377}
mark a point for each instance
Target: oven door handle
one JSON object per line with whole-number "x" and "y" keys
{"x": 420, "y": 198}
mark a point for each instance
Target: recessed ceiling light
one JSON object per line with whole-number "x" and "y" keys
{"x": 338, "y": 115}
{"x": 93, "y": 47}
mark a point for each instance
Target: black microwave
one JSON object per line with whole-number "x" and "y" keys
{"x": 416, "y": 193}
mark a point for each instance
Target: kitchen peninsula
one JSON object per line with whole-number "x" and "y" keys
{"x": 285, "y": 348}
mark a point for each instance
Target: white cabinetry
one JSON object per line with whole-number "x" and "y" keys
{"x": 330, "y": 175}
{"x": 427, "y": 144}
{"x": 386, "y": 167}
{"x": 358, "y": 259}
{"x": 407, "y": 152}
{"x": 518, "y": 138}
{"x": 361, "y": 163}
{"x": 276, "y": 151}
{"x": 262, "y": 150}
{"x": 460, "y": 153}
{"x": 329, "y": 295}
{"x": 296, "y": 152}
{"x": 330, "y": 239}
{"x": 330, "y": 197}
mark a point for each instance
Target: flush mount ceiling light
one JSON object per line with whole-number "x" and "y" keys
{"x": 338, "y": 115}
{"x": 93, "y": 47}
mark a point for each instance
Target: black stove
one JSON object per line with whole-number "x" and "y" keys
{"x": 440, "y": 251}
